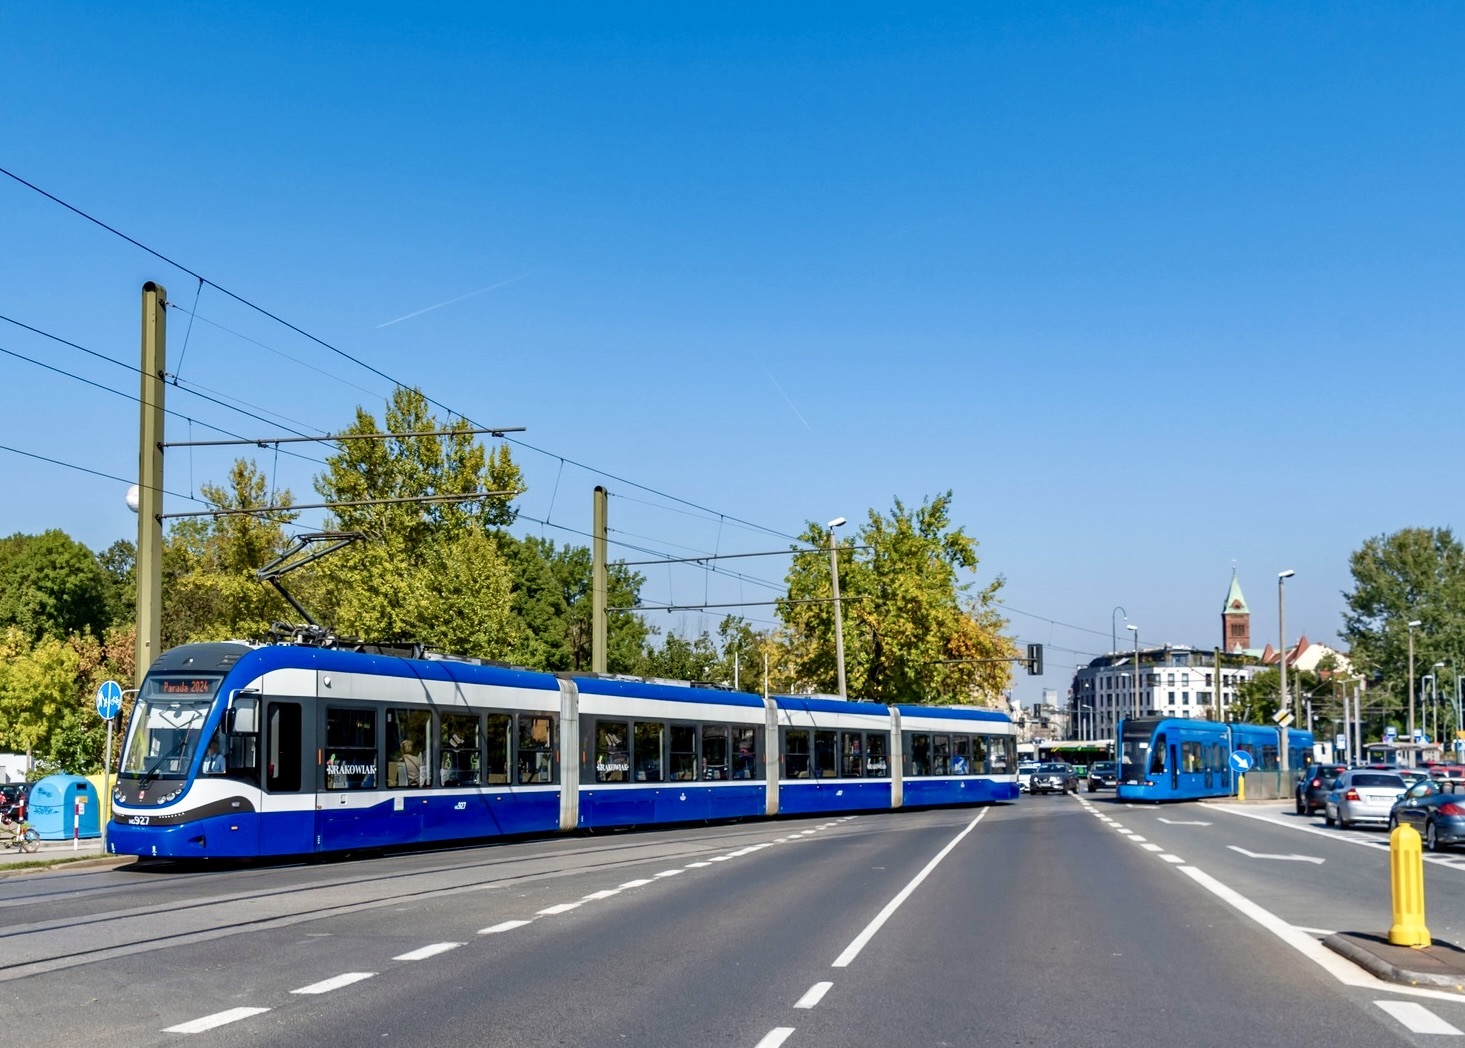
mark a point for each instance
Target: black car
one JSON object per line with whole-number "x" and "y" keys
{"x": 1053, "y": 778}
{"x": 1436, "y": 808}
{"x": 1313, "y": 785}
{"x": 1103, "y": 775}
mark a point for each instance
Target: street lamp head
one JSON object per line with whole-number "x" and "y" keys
{"x": 836, "y": 522}
{"x": 1286, "y": 574}
{"x": 1131, "y": 626}
{"x": 1416, "y": 622}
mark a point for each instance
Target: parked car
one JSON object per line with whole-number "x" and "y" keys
{"x": 1313, "y": 786}
{"x": 1053, "y": 778}
{"x": 1362, "y": 795}
{"x": 1103, "y": 775}
{"x": 1434, "y": 807}
{"x": 12, "y": 800}
{"x": 1025, "y": 771}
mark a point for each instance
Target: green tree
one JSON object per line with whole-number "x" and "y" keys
{"x": 210, "y": 588}
{"x": 119, "y": 561}
{"x": 1416, "y": 574}
{"x": 51, "y": 585}
{"x": 913, "y": 630}
{"x": 429, "y": 568}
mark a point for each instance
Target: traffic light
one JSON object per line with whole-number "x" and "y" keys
{"x": 1035, "y": 660}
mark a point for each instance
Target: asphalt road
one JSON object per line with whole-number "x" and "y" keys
{"x": 1055, "y": 920}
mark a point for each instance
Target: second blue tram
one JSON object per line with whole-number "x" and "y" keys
{"x": 1180, "y": 759}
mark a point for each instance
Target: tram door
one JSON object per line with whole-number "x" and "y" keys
{"x": 287, "y": 803}
{"x": 1174, "y": 768}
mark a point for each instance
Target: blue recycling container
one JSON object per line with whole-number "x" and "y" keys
{"x": 51, "y": 808}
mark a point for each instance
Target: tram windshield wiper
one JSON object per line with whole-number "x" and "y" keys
{"x": 157, "y": 765}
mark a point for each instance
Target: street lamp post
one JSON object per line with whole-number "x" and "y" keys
{"x": 1282, "y": 577}
{"x": 1413, "y": 622}
{"x": 1134, "y": 691}
{"x": 1114, "y": 630}
{"x": 838, "y": 618}
{"x": 1434, "y": 702}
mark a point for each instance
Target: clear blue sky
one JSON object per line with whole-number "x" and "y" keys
{"x": 1154, "y": 289}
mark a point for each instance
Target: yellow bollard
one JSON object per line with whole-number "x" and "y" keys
{"x": 1406, "y": 871}
{"x": 1241, "y": 787}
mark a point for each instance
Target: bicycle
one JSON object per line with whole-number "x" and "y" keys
{"x": 18, "y": 835}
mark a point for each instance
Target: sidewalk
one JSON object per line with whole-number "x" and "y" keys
{"x": 57, "y": 855}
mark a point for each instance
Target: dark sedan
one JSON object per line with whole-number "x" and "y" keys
{"x": 1103, "y": 775}
{"x": 1313, "y": 787}
{"x": 1436, "y": 808}
{"x": 1053, "y": 778}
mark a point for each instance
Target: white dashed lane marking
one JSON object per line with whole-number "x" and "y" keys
{"x": 335, "y": 982}
{"x": 209, "y": 1022}
{"x": 564, "y": 907}
{"x": 506, "y": 926}
{"x": 1417, "y": 1018}
{"x": 776, "y": 1037}
{"x": 814, "y": 995}
{"x": 427, "y": 951}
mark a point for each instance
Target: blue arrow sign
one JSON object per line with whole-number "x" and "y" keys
{"x": 1241, "y": 761}
{"x": 109, "y": 699}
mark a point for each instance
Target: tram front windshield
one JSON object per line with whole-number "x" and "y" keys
{"x": 167, "y": 725}
{"x": 1134, "y": 749}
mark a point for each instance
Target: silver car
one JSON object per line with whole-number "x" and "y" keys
{"x": 1362, "y": 795}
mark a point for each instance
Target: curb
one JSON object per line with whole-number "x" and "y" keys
{"x": 1384, "y": 960}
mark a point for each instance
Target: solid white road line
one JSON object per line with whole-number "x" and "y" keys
{"x": 427, "y": 951}
{"x": 853, "y": 949}
{"x": 775, "y": 1037}
{"x": 335, "y": 983}
{"x": 814, "y": 996}
{"x": 208, "y": 1022}
{"x": 506, "y": 926}
{"x": 1418, "y": 1018}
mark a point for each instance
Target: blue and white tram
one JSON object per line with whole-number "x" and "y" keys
{"x": 1181, "y": 759}
{"x": 235, "y": 750}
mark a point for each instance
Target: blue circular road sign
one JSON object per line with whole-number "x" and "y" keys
{"x": 109, "y": 699}
{"x": 1241, "y": 761}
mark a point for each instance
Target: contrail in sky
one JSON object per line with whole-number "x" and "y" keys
{"x": 460, "y": 298}
{"x": 785, "y": 396}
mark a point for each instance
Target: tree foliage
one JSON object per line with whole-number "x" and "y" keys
{"x": 52, "y": 586}
{"x": 913, "y": 630}
{"x": 210, "y": 590}
{"x": 1416, "y": 574}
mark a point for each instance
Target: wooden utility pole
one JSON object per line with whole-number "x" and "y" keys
{"x": 150, "y": 479}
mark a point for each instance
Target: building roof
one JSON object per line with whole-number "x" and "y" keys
{"x": 1235, "y": 602}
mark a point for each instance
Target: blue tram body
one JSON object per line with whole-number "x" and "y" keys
{"x": 236, "y": 750}
{"x": 1179, "y": 759}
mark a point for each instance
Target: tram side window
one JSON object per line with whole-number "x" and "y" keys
{"x": 647, "y": 752}
{"x": 458, "y": 744}
{"x": 979, "y": 755}
{"x": 282, "y": 723}
{"x": 961, "y": 755}
{"x": 1190, "y": 756}
{"x": 536, "y": 748}
{"x": 1157, "y": 755}
{"x": 940, "y": 754}
{"x": 715, "y": 751}
{"x": 350, "y": 749}
{"x": 919, "y": 760}
{"x": 612, "y": 751}
{"x": 683, "y": 752}
{"x": 745, "y": 753}
{"x": 851, "y": 754}
{"x": 408, "y": 764}
{"x": 877, "y": 755}
{"x": 497, "y": 735}
{"x": 824, "y": 754}
{"x": 1269, "y": 758}
{"x": 796, "y": 753}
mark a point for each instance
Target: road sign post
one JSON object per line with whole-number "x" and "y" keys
{"x": 1241, "y": 763}
{"x": 109, "y": 704}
